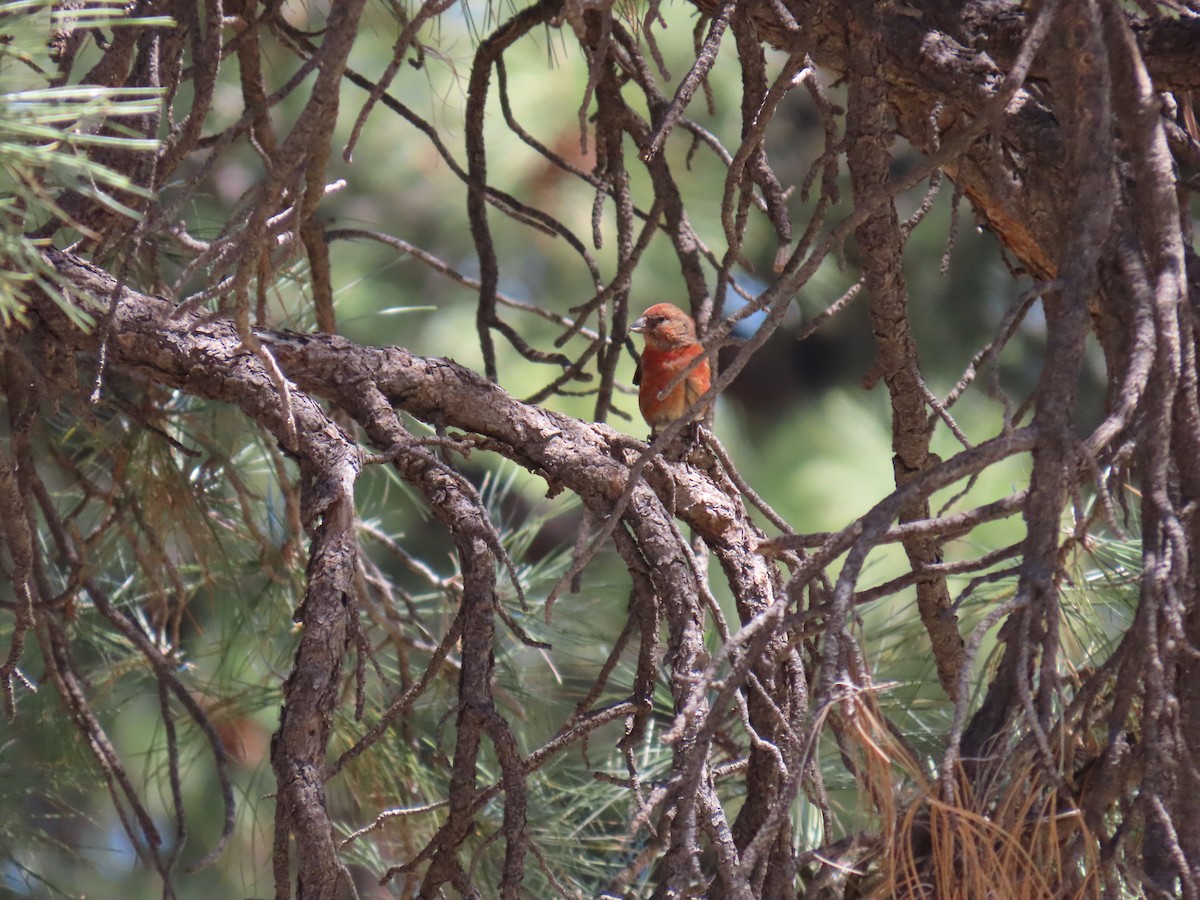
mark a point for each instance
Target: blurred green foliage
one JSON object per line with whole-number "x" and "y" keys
{"x": 801, "y": 429}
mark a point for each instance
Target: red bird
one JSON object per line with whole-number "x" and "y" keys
{"x": 671, "y": 345}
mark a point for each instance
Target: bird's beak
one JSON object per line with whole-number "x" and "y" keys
{"x": 639, "y": 326}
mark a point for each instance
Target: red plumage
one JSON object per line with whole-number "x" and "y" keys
{"x": 671, "y": 345}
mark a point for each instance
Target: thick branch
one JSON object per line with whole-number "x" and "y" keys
{"x": 897, "y": 360}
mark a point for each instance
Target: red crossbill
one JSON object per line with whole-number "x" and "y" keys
{"x": 671, "y": 345}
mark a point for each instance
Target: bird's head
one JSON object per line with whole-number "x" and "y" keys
{"x": 665, "y": 327}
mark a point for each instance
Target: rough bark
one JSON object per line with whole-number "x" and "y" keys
{"x": 1069, "y": 127}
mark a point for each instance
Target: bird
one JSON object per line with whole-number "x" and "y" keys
{"x": 671, "y": 345}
